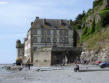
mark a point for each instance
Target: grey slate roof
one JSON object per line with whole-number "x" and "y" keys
{"x": 51, "y": 23}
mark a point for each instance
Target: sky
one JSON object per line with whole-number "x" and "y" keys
{"x": 16, "y": 17}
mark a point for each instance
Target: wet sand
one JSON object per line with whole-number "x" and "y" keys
{"x": 87, "y": 74}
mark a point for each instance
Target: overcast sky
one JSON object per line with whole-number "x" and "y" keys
{"x": 17, "y": 15}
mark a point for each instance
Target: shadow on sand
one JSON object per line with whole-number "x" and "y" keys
{"x": 92, "y": 70}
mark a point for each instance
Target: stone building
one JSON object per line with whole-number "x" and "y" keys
{"x": 48, "y": 42}
{"x": 20, "y": 51}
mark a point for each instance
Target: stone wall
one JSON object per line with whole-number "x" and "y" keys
{"x": 28, "y": 47}
{"x": 42, "y": 57}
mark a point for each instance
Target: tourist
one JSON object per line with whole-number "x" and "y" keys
{"x": 29, "y": 66}
{"x": 76, "y": 67}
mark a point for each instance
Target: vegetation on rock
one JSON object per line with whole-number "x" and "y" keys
{"x": 104, "y": 17}
{"x": 78, "y": 21}
{"x": 97, "y": 3}
{"x": 94, "y": 24}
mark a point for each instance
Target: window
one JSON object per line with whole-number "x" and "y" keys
{"x": 54, "y": 40}
{"x": 48, "y": 32}
{"x": 34, "y": 31}
{"x": 34, "y": 39}
{"x": 43, "y": 32}
{"x": 43, "y": 40}
{"x": 61, "y": 40}
{"x": 34, "y": 48}
{"x": 54, "y": 32}
{"x": 61, "y": 32}
{"x": 66, "y": 32}
{"x": 48, "y": 40}
{"x": 45, "y": 60}
{"x": 66, "y": 40}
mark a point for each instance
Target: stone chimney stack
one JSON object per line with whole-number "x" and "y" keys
{"x": 69, "y": 22}
{"x": 37, "y": 18}
{"x": 61, "y": 22}
{"x": 44, "y": 21}
{"x": 32, "y": 23}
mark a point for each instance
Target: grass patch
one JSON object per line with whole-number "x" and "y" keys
{"x": 97, "y": 40}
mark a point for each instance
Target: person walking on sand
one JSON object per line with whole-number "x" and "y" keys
{"x": 29, "y": 66}
{"x": 76, "y": 68}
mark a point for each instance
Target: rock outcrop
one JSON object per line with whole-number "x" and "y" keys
{"x": 96, "y": 24}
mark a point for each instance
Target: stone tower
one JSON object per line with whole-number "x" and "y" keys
{"x": 20, "y": 49}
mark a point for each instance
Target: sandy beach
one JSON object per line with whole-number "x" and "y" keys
{"x": 88, "y": 74}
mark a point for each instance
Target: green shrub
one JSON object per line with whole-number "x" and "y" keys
{"x": 89, "y": 11}
{"x": 107, "y": 8}
{"x": 104, "y": 17}
{"x": 76, "y": 27}
{"x": 98, "y": 2}
{"x": 93, "y": 26}
{"x": 88, "y": 31}
{"x": 84, "y": 31}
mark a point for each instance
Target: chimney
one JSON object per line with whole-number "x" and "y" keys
{"x": 37, "y": 18}
{"x": 69, "y": 21}
{"x": 31, "y": 23}
{"x": 61, "y": 22}
{"x": 44, "y": 21}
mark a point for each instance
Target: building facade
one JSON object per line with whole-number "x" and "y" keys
{"x": 45, "y": 38}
